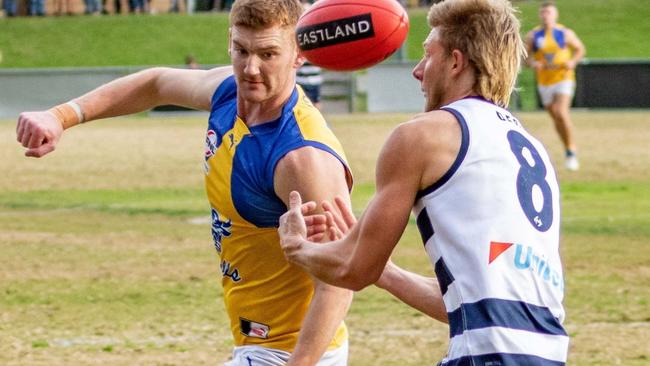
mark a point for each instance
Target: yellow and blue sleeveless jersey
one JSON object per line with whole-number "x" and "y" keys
{"x": 551, "y": 49}
{"x": 266, "y": 297}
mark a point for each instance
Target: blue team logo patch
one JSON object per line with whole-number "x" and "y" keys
{"x": 549, "y": 57}
{"x": 220, "y": 229}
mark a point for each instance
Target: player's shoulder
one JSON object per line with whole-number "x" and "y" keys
{"x": 427, "y": 129}
{"x": 428, "y": 121}
{"x": 563, "y": 28}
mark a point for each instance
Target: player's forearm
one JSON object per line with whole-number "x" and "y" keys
{"x": 578, "y": 54}
{"x": 420, "y": 292}
{"x": 327, "y": 309}
{"x": 127, "y": 95}
{"x": 338, "y": 264}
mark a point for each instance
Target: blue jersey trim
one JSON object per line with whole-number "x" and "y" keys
{"x": 444, "y": 276}
{"x": 504, "y": 313}
{"x": 537, "y": 35}
{"x": 252, "y": 181}
{"x": 464, "y": 146}
{"x": 502, "y": 359}
{"x": 223, "y": 112}
{"x": 263, "y": 210}
{"x": 424, "y": 226}
{"x": 558, "y": 34}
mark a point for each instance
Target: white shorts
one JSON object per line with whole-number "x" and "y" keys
{"x": 262, "y": 356}
{"x": 547, "y": 92}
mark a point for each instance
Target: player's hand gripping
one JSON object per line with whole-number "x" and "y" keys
{"x": 293, "y": 230}
{"x": 39, "y": 132}
{"x": 339, "y": 219}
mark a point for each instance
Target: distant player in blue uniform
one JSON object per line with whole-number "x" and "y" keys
{"x": 264, "y": 139}
{"x": 554, "y": 52}
{"x": 484, "y": 195}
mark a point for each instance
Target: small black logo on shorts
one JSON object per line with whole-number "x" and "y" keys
{"x": 335, "y": 32}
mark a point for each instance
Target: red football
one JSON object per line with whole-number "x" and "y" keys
{"x": 347, "y": 35}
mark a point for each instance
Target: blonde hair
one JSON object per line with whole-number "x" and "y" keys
{"x": 487, "y": 33}
{"x": 259, "y": 14}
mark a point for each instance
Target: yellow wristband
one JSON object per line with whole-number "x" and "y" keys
{"x": 67, "y": 114}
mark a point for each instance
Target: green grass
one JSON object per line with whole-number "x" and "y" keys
{"x": 172, "y": 202}
{"x": 113, "y": 40}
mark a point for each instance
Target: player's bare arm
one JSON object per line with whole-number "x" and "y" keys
{"x": 40, "y": 131}
{"x": 530, "y": 57}
{"x": 319, "y": 176}
{"x": 404, "y": 167}
{"x": 577, "y": 47}
{"x": 420, "y": 292}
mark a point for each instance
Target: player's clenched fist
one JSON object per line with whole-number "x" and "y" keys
{"x": 39, "y": 132}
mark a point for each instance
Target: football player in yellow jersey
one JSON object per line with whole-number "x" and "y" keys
{"x": 264, "y": 140}
{"x": 554, "y": 51}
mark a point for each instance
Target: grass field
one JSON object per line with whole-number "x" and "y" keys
{"x": 105, "y": 257}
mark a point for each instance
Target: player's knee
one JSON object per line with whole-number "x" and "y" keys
{"x": 557, "y": 110}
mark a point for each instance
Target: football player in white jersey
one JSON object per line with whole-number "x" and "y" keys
{"x": 484, "y": 193}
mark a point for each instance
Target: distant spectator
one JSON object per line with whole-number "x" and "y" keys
{"x": 174, "y": 6}
{"x": 310, "y": 79}
{"x": 36, "y": 8}
{"x": 59, "y": 6}
{"x": 93, "y": 6}
{"x": 136, "y": 6}
{"x": 9, "y": 7}
{"x": 117, "y": 7}
{"x": 190, "y": 62}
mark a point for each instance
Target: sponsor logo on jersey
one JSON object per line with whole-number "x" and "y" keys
{"x": 335, "y": 32}
{"x": 253, "y": 329}
{"x": 220, "y": 228}
{"x": 210, "y": 144}
{"x": 526, "y": 259}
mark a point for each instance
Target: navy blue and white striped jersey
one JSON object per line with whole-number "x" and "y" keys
{"x": 491, "y": 229}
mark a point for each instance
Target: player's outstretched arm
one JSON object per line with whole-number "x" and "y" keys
{"x": 40, "y": 131}
{"x": 420, "y": 292}
{"x": 358, "y": 260}
{"x": 319, "y": 176}
{"x": 415, "y": 156}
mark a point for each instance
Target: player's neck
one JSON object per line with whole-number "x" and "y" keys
{"x": 254, "y": 114}
{"x": 549, "y": 25}
{"x": 462, "y": 87}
